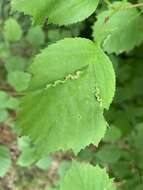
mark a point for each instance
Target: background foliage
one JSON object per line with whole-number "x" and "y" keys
{"x": 118, "y": 27}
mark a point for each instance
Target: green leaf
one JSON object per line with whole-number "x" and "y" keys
{"x": 60, "y": 59}
{"x": 3, "y": 99}
{"x": 5, "y": 160}
{"x": 109, "y": 154}
{"x": 69, "y": 55}
{"x": 85, "y": 176}
{"x": 104, "y": 78}
{"x": 19, "y": 80}
{"x": 62, "y": 95}
{"x": 137, "y": 136}
{"x": 36, "y": 36}
{"x": 14, "y": 63}
{"x": 121, "y": 169}
{"x": 27, "y": 156}
{"x": 57, "y": 110}
{"x": 112, "y": 134}
{"x": 63, "y": 168}
{"x": 58, "y": 12}
{"x": 23, "y": 143}
{"x": 119, "y": 29}
{"x": 7, "y": 102}
{"x": 12, "y": 103}
{"x": 56, "y": 34}
{"x": 3, "y": 116}
{"x": 12, "y": 30}
{"x": 86, "y": 155}
{"x": 44, "y": 163}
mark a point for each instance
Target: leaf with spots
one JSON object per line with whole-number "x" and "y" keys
{"x": 61, "y": 101}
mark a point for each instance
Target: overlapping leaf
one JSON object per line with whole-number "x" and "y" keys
{"x": 58, "y": 12}
{"x": 70, "y": 55}
{"x": 18, "y": 80}
{"x": 82, "y": 176}
{"x": 63, "y": 109}
{"x": 119, "y": 29}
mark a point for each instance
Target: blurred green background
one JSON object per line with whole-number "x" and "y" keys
{"x": 121, "y": 150}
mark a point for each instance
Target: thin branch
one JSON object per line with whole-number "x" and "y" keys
{"x": 134, "y": 6}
